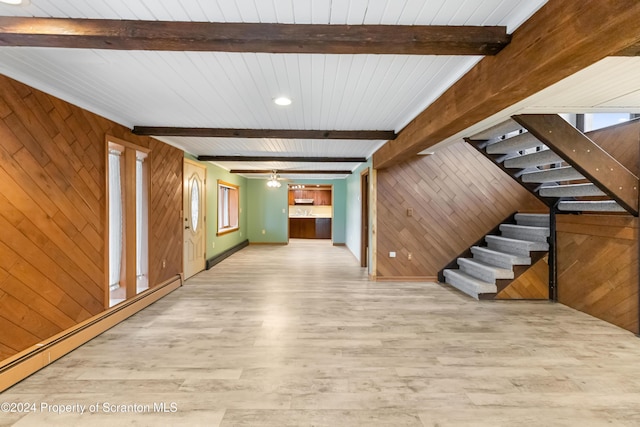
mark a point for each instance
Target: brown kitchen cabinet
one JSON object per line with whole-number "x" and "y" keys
{"x": 319, "y": 197}
{"x": 310, "y": 228}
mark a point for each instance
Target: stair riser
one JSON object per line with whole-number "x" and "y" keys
{"x": 467, "y": 287}
{"x": 478, "y": 273}
{"x": 512, "y": 249}
{"x": 502, "y": 261}
{"x": 516, "y": 246}
{"x": 532, "y": 220}
{"x": 488, "y": 273}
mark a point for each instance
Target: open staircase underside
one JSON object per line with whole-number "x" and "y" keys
{"x": 545, "y": 172}
{"x": 503, "y": 259}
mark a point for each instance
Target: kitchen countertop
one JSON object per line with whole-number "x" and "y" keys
{"x": 311, "y": 216}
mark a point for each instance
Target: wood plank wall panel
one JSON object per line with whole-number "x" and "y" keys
{"x": 457, "y": 196}
{"x": 532, "y": 284}
{"x": 622, "y": 142}
{"x": 165, "y": 212}
{"x": 52, "y": 213}
{"x": 598, "y": 267}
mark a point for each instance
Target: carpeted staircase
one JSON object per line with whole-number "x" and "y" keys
{"x": 542, "y": 171}
{"x": 495, "y": 266}
{"x": 576, "y": 175}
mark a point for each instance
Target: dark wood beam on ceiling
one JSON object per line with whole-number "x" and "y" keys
{"x": 289, "y": 172}
{"x": 373, "y": 135}
{"x": 252, "y": 37}
{"x": 562, "y": 38}
{"x": 281, "y": 159}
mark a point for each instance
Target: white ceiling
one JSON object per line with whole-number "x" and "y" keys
{"x": 611, "y": 85}
{"x": 235, "y": 90}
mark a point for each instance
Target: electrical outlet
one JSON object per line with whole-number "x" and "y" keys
{"x": 392, "y": 254}
{"x": 283, "y": 210}
{"x": 409, "y": 256}
{"x": 264, "y": 231}
{"x": 213, "y": 245}
{"x": 410, "y": 212}
{"x": 164, "y": 263}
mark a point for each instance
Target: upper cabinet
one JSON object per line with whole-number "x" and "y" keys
{"x": 323, "y": 198}
{"x": 319, "y": 197}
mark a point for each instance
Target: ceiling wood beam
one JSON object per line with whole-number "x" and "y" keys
{"x": 282, "y": 159}
{"x": 373, "y": 135}
{"x": 289, "y": 172}
{"x": 252, "y": 37}
{"x": 562, "y": 38}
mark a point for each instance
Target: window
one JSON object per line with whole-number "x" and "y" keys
{"x": 602, "y": 120}
{"x": 128, "y": 213}
{"x": 228, "y": 207}
{"x": 115, "y": 220}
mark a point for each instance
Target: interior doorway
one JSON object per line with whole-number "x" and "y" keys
{"x": 194, "y": 217}
{"x": 310, "y": 211}
{"x": 364, "y": 227}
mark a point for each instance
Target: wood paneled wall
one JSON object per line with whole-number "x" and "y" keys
{"x": 622, "y": 142}
{"x": 532, "y": 284}
{"x": 165, "y": 212}
{"x": 52, "y": 213}
{"x": 457, "y": 196}
{"x": 598, "y": 266}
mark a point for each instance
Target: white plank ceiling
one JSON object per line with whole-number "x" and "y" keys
{"x": 235, "y": 90}
{"x": 611, "y": 85}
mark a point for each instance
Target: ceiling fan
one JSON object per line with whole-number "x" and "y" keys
{"x": 274, "y": 180}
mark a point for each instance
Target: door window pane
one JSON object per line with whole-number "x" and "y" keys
{"x": 195, "y": 204}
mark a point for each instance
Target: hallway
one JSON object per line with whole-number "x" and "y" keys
{"x": 296, "y": 336}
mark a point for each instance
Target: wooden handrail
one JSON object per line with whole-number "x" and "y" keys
{"x": 586, "y": 156}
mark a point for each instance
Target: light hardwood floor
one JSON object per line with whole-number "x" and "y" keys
{"x": 297, "y": 336}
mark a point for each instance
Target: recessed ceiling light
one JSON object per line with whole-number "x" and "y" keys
{"x": 282, "y": 100}
{"x": 15, "y": 2}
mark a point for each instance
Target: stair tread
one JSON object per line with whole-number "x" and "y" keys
{"x": 524, "y": 141}
{"x": 571, "y": 190}
{"x": 524, "y": 227}
{"x": 525, "y": 232}
{"x": 516, "y": 259}
{"x": 565, "y": 173}
{"x": 468, "y": 284}
{"x": 466, "y": 276}
{"x": 531, "y": 215}
{"x": 538, "y": 220}
{"x": 512, "y": 240}
{"x": 499, "y": 272}
{"x": 591, "y": 205}
{"x": 539, "y": 158}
